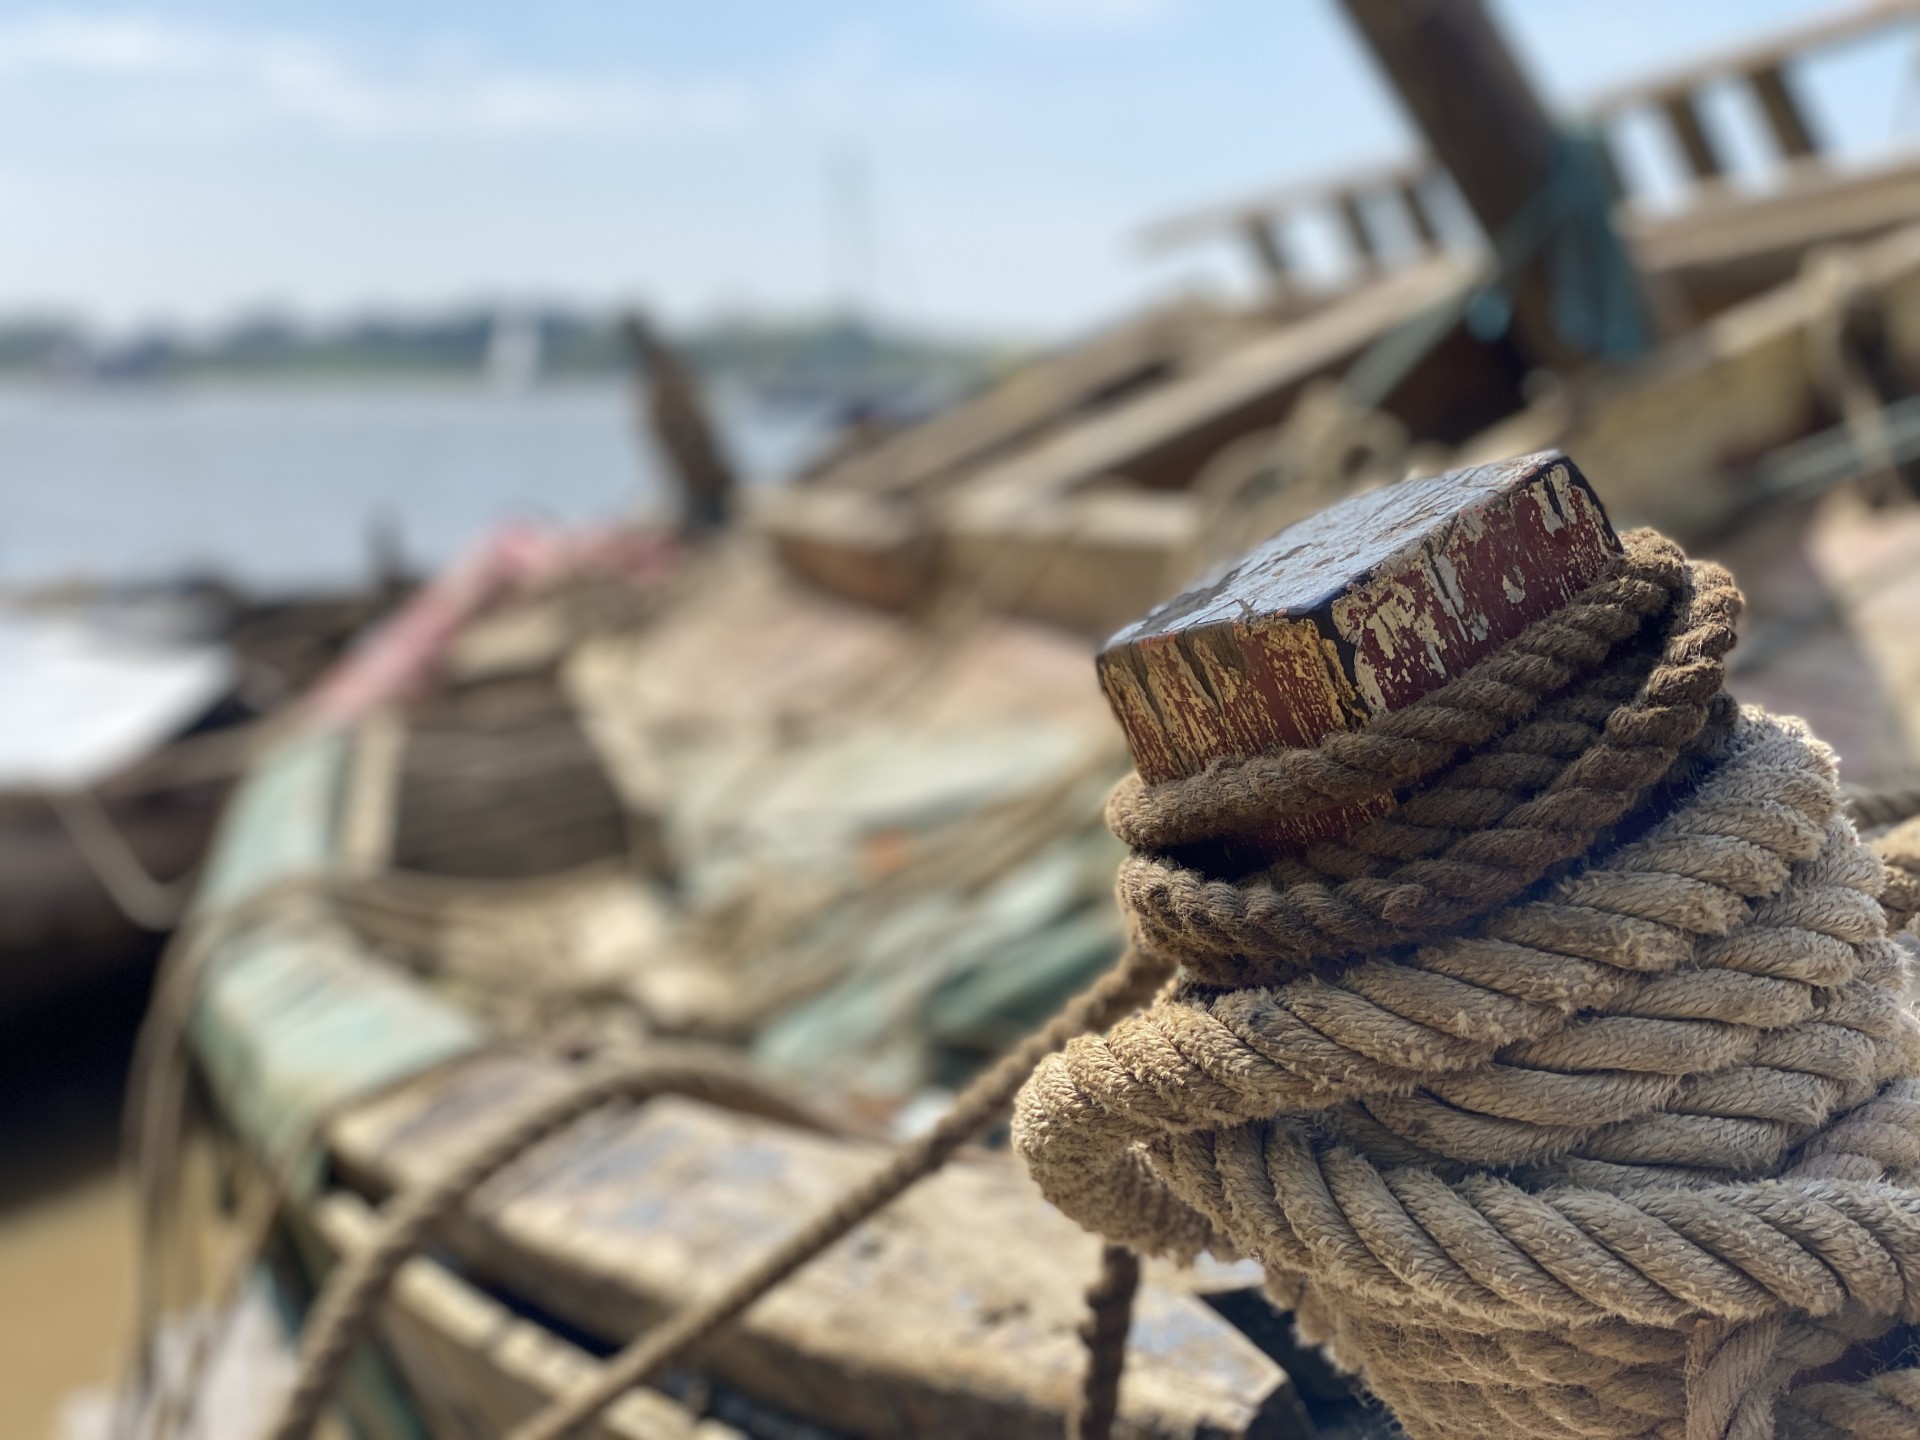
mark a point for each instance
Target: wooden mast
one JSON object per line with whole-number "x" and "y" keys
{"x": 1480, "y": 116}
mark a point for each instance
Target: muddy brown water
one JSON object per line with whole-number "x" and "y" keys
{"x": 66, "y": 1220}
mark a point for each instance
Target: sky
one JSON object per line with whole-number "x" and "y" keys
{"x": 979, "y": 166}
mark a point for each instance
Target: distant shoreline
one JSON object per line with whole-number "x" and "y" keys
{"x": 833, "y": 359}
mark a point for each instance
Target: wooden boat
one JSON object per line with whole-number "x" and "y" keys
{"x": 118, "y": 752}
{"x": 813, "y": 813}
{"x": 1104, "y": 512}
{"x": 416, "y": 913}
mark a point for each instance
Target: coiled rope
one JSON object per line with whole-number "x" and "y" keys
{"x": 1574, "y": 1097}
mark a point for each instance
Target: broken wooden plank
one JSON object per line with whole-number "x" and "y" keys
{"x": 1277, "y": 203}
{"x": 676, "y": 415}
{"x": 874, "y": 548}
{"x": 1353, "y": 613}
{"x": 1750, "y": 62}
{"x": 1359, "y": 232}
{"x": 369, "y": 806}
{"x": 951, "y": 1313}
{"x": 1270, "y": 256}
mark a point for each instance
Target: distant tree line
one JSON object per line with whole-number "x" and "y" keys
{"x": 833, "y": 358}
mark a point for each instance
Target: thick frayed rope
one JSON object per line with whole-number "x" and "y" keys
{"x": 1574, "y": 1097}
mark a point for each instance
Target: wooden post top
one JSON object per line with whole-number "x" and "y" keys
{"x": 1354, "y": 612}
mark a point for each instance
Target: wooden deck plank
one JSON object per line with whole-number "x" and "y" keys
{"x": 472, "y": 1366}
{"x": 951, "y": 1313}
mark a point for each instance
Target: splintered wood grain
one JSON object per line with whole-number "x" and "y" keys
{"x": 953, "y": 1312}
{"x": 1353, "y": 613}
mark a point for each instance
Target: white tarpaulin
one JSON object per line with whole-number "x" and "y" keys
{"x": 78, "y": 703}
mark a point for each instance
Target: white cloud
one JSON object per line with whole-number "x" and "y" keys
{"x": 246, "y": 76}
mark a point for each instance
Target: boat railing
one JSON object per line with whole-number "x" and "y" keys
{"x": 1400, "y": 211}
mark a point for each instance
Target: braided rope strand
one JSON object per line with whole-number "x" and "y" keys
{"x": 1577, "y": 1096}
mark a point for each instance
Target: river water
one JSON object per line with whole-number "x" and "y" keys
{"x": 283, "y": 487}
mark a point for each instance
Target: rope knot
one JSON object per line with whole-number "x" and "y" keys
{"x": 1574, "y": 1094}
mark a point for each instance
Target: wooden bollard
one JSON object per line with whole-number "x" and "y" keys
{"x": 1355, "y": 612}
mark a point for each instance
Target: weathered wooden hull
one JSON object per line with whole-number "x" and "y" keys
{"x": 954, "y": 1313}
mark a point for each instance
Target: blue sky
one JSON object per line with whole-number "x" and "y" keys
{"x": 184, "y": 162}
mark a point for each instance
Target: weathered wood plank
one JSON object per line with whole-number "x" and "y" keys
{"x": 473, "y": 1367}
{"x": 685, "y": 437}
{"x": 1786, "y": 117}
{"x": 1033, "y": 398}
{"x": 1353, "y": 219}
{"x": 368, "y": 811}
{"x": 1269, "y": 255}
{"x": 280, "y": 824}
{"x": 1665, "y": 443}
{"x": 1689, "y": 131}
{"x": 1749, "y": 61}
{"x": 294, "y": 1018}
{"x": 1244, "y": 387}
{"x": 1084, "y": 561}
{"x": 951, "y": 1313}
{"x": 1353, "y": 613}
{"x": 1735, "y": 245}
{"x": 1780, "y": 47}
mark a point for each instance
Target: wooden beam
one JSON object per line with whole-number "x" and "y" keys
{"x": 1353, "y": 220}
{"x": 1740, "y": 63}
{"x": 1042, "y": 392}
{"x": 468, "y": 1361}
{"x": 1735, "y": 249}
{"x": 676, "y": 414}
{"x": 1785, "y": 116}
{"x": 1277, "y": 202}
{"x": 1831, "y": 30}
{"x": 952, "y": 1313}
{"x": 1162, "y": 436}
{"x": 1669, "y": 442}
{"x": 1413, "y": 203}
{"x": 1264, "y": 242}
{"x": 1481, "y": 118}
{"x": 1689, "y": 132}
{"x": 1353, "y": 613}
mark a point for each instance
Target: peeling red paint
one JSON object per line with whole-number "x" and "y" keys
{"x": 1358, "y": 611}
